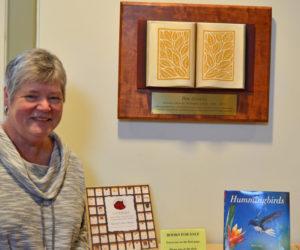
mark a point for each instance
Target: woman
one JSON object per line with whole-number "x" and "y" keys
{"x": 42, "y": 192}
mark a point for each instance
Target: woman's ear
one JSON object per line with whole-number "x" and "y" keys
{"x": 5, "y": 96}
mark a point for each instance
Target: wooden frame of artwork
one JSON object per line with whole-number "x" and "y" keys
{"x": 134, "y": 98}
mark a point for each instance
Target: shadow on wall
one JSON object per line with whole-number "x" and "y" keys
{"x": 195, "y": 132}
{"x": 215, "y": 132}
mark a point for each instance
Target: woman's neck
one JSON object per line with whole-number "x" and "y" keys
{"x": 36, "y": 150}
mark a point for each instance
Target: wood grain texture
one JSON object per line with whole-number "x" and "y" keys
{"x": 134, "y": 99}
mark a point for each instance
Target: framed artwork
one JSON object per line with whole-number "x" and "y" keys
{"x": 193, "y": 88}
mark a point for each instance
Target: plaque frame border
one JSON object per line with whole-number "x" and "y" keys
{"x": 134, "y": 99}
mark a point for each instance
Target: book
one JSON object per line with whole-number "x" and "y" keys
{"x": 256, "y": 220}
{"x": 120, "y": 217}
{"x": 195, "y": 55}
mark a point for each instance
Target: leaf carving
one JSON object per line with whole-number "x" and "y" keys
{"x": 186, "y": 62}
{"x": 224, "y": 65}
{"x": 165, "y": 63}
{"x": 169, "y": 53}
{"x": 228, "y": 36}
{"x": 227, "y": 54}
{"x": 164, "y": 74}
{"x": 168, "y": 35}
{"x": 171, "y": 71}
{"x": 184, "y": 50}
{"x": 227, "y": 45}
{"x": 215, "y": 48}
{"x": 162, "y": 54}
{"x": 210, "y": 39}
{"x": 174, "y": 58}
{"x": 179, "y": 71}
{"x": 219, "y": 37}
{"x": 179, "y": 42}
{"x": 210, "y": 61}
{"x": 217, "y": 58}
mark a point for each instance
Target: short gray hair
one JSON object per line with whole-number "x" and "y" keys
{"x": 34, "y": 65}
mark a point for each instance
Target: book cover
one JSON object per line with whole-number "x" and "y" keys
{"x": 256, "y": 220}
{"x": 201, "y": 55}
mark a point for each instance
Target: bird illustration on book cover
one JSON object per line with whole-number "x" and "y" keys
{"x": 256, "y": 220}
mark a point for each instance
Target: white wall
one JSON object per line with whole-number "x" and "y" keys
{"x": 188, "y": 165}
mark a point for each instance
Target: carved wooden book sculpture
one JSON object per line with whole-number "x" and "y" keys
{"x": 201, "y": 55}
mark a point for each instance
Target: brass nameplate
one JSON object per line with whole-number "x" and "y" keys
{"x": 193, "y": 104}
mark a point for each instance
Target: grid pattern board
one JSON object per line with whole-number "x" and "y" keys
{"x": 142, "y": 237}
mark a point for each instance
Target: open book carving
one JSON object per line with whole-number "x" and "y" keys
{"x": 201, "y": 55}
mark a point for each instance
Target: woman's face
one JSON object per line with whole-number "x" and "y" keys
{"x": 35, "y": 110}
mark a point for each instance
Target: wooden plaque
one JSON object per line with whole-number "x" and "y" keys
{"x": 134, "y": 98}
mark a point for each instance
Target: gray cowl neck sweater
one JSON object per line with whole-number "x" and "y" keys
{"x": 45, "y": 188}
{"x": 42, "y": 183}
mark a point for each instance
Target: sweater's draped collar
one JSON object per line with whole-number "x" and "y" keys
{"x": 43, "y": 182}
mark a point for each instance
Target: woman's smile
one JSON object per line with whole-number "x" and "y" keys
{"x": 35, "y": 110}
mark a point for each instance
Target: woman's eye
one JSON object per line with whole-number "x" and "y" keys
{"x": 55, "y": 99}
{"x": 30, "y": 98}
